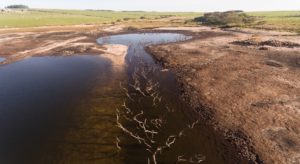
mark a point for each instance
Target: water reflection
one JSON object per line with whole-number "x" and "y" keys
{"x": 37, "y": 101}
{"x": 83, "y": 110}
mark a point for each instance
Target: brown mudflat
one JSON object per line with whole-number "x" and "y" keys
{"x": 248, "y": 93}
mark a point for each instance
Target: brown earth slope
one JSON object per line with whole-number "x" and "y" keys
{"x": 249, "y": 93}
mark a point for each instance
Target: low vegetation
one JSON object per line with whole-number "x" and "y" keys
{"x": 227, "y": 19}
{"x": 34, "y": 17}
{"x": 277, "y": 20}
{"x": 17, "y": 7}
{"x": 268, "y": 20}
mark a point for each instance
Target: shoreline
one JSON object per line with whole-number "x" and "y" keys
{"x": 214, "y": 77}
{"x": 248, "y": 94}
{"x": 236, "y": 141}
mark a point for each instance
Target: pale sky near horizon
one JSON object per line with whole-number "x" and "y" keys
{"x": 161, "y": 5}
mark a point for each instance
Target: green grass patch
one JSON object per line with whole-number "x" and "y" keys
{"x": 279, "y": 20}
{"x": 34, "y": 18}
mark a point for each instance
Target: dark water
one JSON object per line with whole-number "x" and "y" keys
{"x": 85, "y": 109}
{"x": 36, "y": 97}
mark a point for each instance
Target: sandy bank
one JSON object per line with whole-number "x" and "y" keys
{"x": 116, "y": 54}
{"x": 49, "y": 41}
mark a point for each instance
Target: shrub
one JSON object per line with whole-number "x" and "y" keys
{"x": 126, "y": 19}
{"x": 166, "y": 16}
{"x": 226, "y": 19}
{"x": 17, "y": 7}
{"x": 131, "y": 28}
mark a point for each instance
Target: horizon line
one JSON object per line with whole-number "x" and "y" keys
{"x": 165, "y": 11}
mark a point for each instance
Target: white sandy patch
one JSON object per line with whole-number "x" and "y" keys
{"x": 116, "y": 54}
{"x": 192, "y": 29}
{"x": 9, "y": 38}
{"x": 115, "y": 28}
{"x": 49, "y": 47}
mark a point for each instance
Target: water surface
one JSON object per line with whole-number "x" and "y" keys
{"x": 37, "y": 96}
{"x": 81, "y": 110}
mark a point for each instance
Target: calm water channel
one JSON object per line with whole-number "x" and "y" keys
{"x": 91, "y": 110}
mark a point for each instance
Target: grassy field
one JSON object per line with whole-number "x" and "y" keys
{"x": 33, "y": 18}
{"x": 277, "y": 20}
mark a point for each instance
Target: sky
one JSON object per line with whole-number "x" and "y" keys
{"x": 161, "y": 5}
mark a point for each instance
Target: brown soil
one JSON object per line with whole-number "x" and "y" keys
{"x": 272, "y": 43}
{"x": 16, "y": 44}
{"x": 250, "y": 96}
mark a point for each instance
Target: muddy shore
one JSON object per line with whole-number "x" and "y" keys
{"x": 249, "y": 93}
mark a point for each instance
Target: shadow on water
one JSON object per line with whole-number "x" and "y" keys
{"x": 81, "y": 110}
{"x": 37, "y": 96}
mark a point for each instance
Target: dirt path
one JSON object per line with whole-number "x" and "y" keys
{"x": 249, "y": 93}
